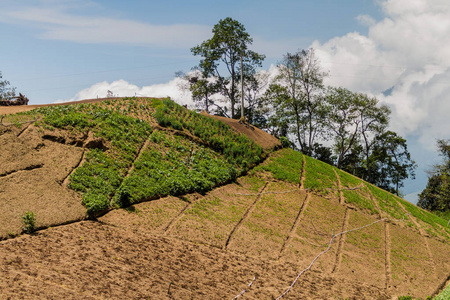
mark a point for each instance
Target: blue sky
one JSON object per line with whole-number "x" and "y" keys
{"x": 60, "y": 50}
{"x": 48, "y": 65}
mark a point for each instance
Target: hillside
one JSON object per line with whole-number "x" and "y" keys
{"x": 207, "y": 213}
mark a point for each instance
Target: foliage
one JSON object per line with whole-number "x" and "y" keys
{"x": 425, "y": 216}
{"x": 359, "y": 200}
{"x": 225, "y": 49}
{"x": 319, "y": 175}
{"x": 390, "y": 162}
{"x": 297, "y": 98}
{"x": 238, "y": 149}
{"x": 436, "y": 195}
{"x": 5, "y": 90}
{"x": 29, "y": 222}
{"x": 173, "y": 165}
{"x": 387, "y": 202}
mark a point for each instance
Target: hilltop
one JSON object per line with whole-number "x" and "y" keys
{"x": 161, "y": 202}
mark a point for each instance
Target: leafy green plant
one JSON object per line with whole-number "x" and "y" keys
{"x": 29, "y": 222}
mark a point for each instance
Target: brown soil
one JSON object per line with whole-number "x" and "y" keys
{"x": 261, "y": 137}
{"x": 197, "y": 246}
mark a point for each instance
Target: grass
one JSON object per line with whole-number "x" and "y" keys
{"x": 319, "y": 175}
{"x": 286, "y": 165}
{"x": 425, "y": 216}
{"x": 364, "y": 202}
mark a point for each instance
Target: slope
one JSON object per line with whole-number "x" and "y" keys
{"x": 263, "y": 227}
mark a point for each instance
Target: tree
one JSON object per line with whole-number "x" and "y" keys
{"x": 225, "y": 49}
{"x": 373, "y": 122}
{"x": 391, "y": 162}
{"x": 255, "y": 109}
{"x": 343, "y": 120}
{"x": 436, "y": 195}
{"x": 5, "y": 90}
{"x": 202, "y": 89}
{"x": 297, "y": 95}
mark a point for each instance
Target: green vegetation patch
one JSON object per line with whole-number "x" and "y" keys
{"x": 285, "y": 165}
{"x": 364, "y": 202}
{"x": 103, "y": 171}
{"x": 347, "y": 180}
{"x": 170, "y": 166}
{"x": 319, "y": 175}
{"x": 387, "y": 202}
{"x": 173, "y": 166}
{"x": 426, "y": 216}
{"x": 238, "y": 149}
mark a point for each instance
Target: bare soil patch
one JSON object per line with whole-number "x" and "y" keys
{"x": 90, "y": 260}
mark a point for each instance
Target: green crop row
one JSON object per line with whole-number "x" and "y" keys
{"x": 238, "y": 149}
{"x": 173, "y": 166}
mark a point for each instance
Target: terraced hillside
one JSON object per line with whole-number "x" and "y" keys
{"x": 203, "y": 218}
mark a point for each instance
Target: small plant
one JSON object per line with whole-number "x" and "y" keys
{"x": 29, "y": 222}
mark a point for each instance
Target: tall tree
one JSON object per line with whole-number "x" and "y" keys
{"x": 391, "y": 162}
{"x": 223, "y": 53}
{"x": 298, "y": 95}
{"x": 6, "y": 91}
{"x": 343, "y": 120}
{"x": 374, "y": 119}
{"x": 436, "y": 195}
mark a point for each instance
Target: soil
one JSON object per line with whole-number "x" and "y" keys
{"x": 257, "y": 231}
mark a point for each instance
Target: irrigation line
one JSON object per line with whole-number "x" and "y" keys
{"x": 329, "y": 246}
{"x": 242, "y": 293}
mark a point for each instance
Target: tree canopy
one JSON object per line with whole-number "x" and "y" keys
{"x": 436, "y": 195}
{"x": 222, "y": 55}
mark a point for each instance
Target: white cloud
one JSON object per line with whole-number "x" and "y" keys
{"x": 407, "y": 51}
{"x": 122, "y": 88}
{"x": 365, "y": 20}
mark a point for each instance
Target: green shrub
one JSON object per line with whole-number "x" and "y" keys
{"x": 29, "y": 222}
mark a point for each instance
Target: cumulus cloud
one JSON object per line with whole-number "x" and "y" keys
{"x": 407, "y": 54}
{"x": 122, "y": 88}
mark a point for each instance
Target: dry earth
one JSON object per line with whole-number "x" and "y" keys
{"x": 257, "y": 230}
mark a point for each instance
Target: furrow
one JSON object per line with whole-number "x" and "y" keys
{"x": 65, "y": 181}
{"x": 341, "y": 241}
{"x": 23, "y": 130}
{"x": 387, "y": 253}
{"x": 295, "y": 225}
{"x": 29, "y": 168}
{"x": 302, "y": 175}
{"x": 176, "y": 218}
{"x": 244, "y": 217}
{"x": 341, "y": 194}
{"x": 424, "y": 237}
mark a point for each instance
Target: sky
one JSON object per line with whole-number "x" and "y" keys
{"x": 396, "y": 50}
